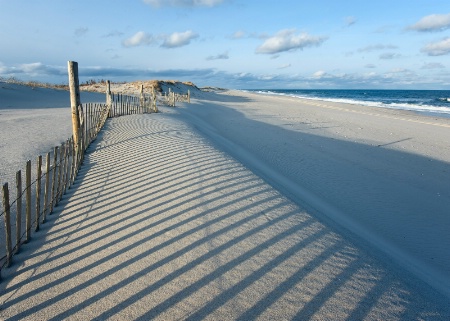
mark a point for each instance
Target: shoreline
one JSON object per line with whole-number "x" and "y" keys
{"x": 419, "y": 109}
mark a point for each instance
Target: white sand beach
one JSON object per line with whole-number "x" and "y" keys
{"x": 244, "y": 206}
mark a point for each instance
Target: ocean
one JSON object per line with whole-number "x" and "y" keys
{"x": 430, "y": 102}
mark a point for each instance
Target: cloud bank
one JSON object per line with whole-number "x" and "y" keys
{"x": 288, "y": 40}
{"x": 395, "y": 78}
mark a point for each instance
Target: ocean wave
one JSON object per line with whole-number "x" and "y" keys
{"x": 392, "y": 100}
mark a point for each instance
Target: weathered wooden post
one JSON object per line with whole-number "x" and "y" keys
{"x": 108, "y": 94}
{"x": 38, "y": 190}
{"x": 74, "y": 87}
{"x": 55, "y": 168}
{"x": 60, "y": 171}
{"x": 19, "y": 209}
{"x": 141, "y": 102}
{"x": 28, "y": 202}
{"x": 47, "y": 185}
{"x": 155, "y": 109}
{"x": 7, "y": 219}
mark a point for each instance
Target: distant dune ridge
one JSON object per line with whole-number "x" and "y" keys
{"x": 134, "y": 87}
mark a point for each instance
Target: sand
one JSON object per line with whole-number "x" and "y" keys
{"x": 382, "y": 174}
{"x": 32, "y": 121}
{"x": 241, "y": 206}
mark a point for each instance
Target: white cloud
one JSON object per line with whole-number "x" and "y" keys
{"x": 376, "y": 47}
{"x": 370, "y": 66}
{"x": 434, "y": 22}
{"x": 183, "y": 3}
{"x": 219, "y": 56}
{"x": 138, "y": 39}
{"x": 439, "y": 48}
{"x": 179, "y": 39}
{"x": 433, "y": 65}
{"x": 287, "y": 40}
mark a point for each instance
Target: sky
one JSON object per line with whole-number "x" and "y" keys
{"x": 325, "y": 44}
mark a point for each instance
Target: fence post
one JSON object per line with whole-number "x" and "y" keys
{"x": 47, "y": 184}
{"x": 28, "y": 201}
{"x": 155, "y": 109}
{"x": 38, "y": 190}
{"x": 141, "y": 102}
{"x": 58, "y": 179}
{"x": 189, "y": 96}
{"x": 74, "y": 162}
{"x": 19, "y": 209}
{"x": 66, "y": 165}
{"x": 108, "y": 94}
{"x": 74, "y": 99}
{"x": 55, "y": 160}
{"x": 7, "y": 224}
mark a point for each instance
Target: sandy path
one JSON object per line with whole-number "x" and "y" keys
{"x": 162, "y": 225}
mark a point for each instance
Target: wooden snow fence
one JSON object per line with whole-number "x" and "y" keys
{"x": 37, "y": 192}
{"x": 171, "y": 98}
{"x": 26, "y": 204}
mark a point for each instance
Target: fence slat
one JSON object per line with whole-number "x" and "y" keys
{"x": 38, "y": 190}
{"x": 66, "y": 163}
{"x": 7, "y": 219}
{"x": 55, "y": 162}
{"x": 74, "y": 163}
{"x": 18, "y": 209}
{"x": 47, "y": 184}
{"x": 60, "y": 163}
{"x": 28, "y": 201}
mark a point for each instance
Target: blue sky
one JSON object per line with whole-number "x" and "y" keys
{"x": 231, "y": 43}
